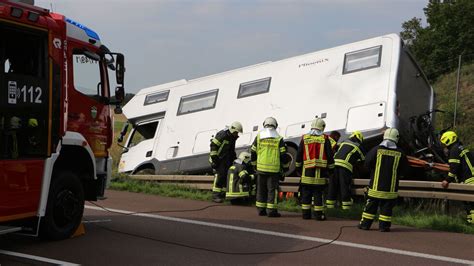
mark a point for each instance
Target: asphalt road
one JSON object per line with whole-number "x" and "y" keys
{"x": 226, "y": 235}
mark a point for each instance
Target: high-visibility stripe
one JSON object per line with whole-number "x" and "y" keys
{"x": 468, "y": 161}
{"x": 271, "y": 206}
{"x": 452, "y": 175}
{"x": 253, "y": 148}
{"x": 213, "y": 153}
{"x": 313, "y": 180}
{"x": 216, "y": 141}
{"x": 454, "y": 161}
{"x": 343, "y": 163}
{"x": 346, "y": 207}
{"x": 330, "y": 202}
{"x": 237, "y": 194}
{"x": 282, "y": 149}
{"x": 222, "y": 146}
{"x": 306, "y": 206}
{"x": 346, "y": 203}
{"x": 318, "y": 208}
{"x": 469, "y": 181}
{"x": 368, "y": 216}
{"x": 394, "y": 173}
{"x": 242, "y": 173}
{"x": 231, "y": 182}
{"x": 385, "y": 218}
{"x": 377, "y": 171}
{"x": 298, "y": 164}
{"x": 261, "y": 204}
{"x": 382, "y": 194}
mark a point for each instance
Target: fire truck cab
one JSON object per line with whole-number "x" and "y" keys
{"x": 55, "y": 119}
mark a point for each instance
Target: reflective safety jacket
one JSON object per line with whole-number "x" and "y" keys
{"x": 268, "y": 152}
{"x": 386, "y": 166}
{"x": 348, "y": 154}
{"x": 315, "y": 156}
{"x": 223, "y": 148}
{"x": 240, "y": 181}
{"x": 461, "y": 168}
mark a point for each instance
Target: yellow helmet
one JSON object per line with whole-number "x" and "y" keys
{"x": 244, "y": 156}
{"x": 358, "y": 135}
{"x": 392, "y": 134}
{"x": 236, "y": 127}
{"x": 448, "y": 138}
{"x": 318, "y": 124}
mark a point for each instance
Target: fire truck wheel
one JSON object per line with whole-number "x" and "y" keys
{"x": 64, "y": 208}
{"x": 291, "y": 152}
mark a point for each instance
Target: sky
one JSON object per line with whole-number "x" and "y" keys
{"x": 164, "y": 41}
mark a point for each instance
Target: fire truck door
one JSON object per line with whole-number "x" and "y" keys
{"x": 24, "y": 116}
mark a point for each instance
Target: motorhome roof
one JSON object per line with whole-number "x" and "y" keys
{"x": 182, "y": 82}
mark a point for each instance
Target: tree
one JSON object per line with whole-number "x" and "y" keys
{"x": 449, "y": 33}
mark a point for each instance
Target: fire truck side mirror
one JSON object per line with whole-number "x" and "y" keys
{"x": 120, "y": 69}
{"x": 119, "y": 94}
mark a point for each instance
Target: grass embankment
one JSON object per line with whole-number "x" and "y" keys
{"x": 445, "y": 89}
{"x": 426, "y": 219}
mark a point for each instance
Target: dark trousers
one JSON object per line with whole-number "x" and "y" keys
{"x": 470, "y": 211}
{"x": 220, "y": 181}
{"x": 370, "y": 210}
{"x": 340, "y": 184}
{"x": 310, "y": 192}
{"x": 267, "y": 190}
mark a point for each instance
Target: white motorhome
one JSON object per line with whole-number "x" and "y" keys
{"x": 368, "y": 86}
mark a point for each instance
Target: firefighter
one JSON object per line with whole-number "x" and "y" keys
{"x": 386, "y": 163}
{"x": 349, "y": 153}
{"x": 335, "y": 136}
{"x": 314, "y": 160}
{"x": 268, "y": 155}
{"x": 240, "y": 180}
{"x": 461, "y": 169}
{"x": 221, "y": 157}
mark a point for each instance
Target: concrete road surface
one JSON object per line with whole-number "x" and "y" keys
{"x": 230, "y": 235}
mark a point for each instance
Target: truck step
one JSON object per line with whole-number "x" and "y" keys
{"x": 8, "y": 229}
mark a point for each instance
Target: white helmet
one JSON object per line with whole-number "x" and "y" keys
{"x": 244, "y": 156}
{"x": 391, "y": 134}
{"x": 270, "y": 122}
{"x": 236, "y": 127}
{"x": 318, "y": 124}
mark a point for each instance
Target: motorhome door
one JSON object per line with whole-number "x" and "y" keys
{"x": 139, "y": 146}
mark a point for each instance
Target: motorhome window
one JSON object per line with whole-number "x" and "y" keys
{"x": 197, "y": 102}
{"x": 143, "y": 132}
{"x": 86, "y": 74}
{"x": 362, "y": 59}
{"x": 254, "y": 87}
{"x": 156, "y": 97}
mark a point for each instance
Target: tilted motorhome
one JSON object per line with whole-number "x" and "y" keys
{"x": 367, "y": 86}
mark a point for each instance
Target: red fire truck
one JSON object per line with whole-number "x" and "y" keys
{"x": 55, "y": 119}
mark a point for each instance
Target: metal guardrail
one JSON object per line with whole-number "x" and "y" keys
{"x": 407, "y": 188}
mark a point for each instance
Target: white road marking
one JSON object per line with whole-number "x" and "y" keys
{"x": 306, "y": 238}
{"x": 35, "y": 258}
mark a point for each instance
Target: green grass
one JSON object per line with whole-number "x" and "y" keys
{"x": 414, "y": 217}
{"x": 167, "y": 190}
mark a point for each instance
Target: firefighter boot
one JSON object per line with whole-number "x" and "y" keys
{"x": 274, "y": 213}
{"x": 384, "y": 226}
{"x": 262, "y": 212}
{"x": 365, "y": 224}
{"x": 320, "y": 215}
{"x": 306, "y": 214}
{"x": 216, "y": 198}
